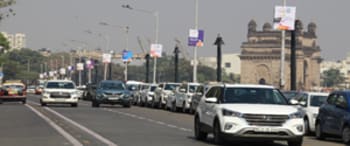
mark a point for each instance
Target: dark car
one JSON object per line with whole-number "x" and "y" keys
{"x": 334, "y": 117}
{"x": 111, "y": 92}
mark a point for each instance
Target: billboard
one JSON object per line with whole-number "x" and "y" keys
{"x": 284, "y": 18}
{"x": 127, "y": 56}
{"x": 156, "y": 50}
{"x": 106, "y": 58}
{"x": 196, "y": 37}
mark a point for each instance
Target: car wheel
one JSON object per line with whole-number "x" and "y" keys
{"x": 318, "y": 132}
{"x": 0, "y": 101}
{"x": 307, "y": 127}
{"x": 95, "y": 104}
{"x": 198, "y": 133}
{"x": 297, "y": 142}
{"x": 166, "y": 105}
{"x": 128, "y": 105}
{"x": 346, "y": 135}
{"x": 217, "y": 133}
{"x": 173, "y": 107}
{"x": 184, "y": 110}
{"x": 191, "y": 109}
{"x": 43, "y": 104}
{"x": 74, "y": 105}
{"x": 24, "y": 101}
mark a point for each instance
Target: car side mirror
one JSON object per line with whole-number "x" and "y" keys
{"x": 293, "y": 102}
{"x": 182, "y": 90}
{"x": 211, "y": 100}
{"x": 302, "y": 103}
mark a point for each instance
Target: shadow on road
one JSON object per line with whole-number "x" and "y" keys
{"x": 210, "y": 141}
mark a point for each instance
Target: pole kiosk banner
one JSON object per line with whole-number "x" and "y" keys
{"x": 127, "y": 56}
{"x": 156, "y": 50}
{"x": 196, "y": 38}
{"x": 284, "y": 18}
{"x": 107, "y": 58}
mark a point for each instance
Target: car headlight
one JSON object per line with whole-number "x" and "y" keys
{"x": 296, "y": 115}
{"x": 230, "y": 113}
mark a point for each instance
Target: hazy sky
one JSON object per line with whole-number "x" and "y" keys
{"x": 54, "y": 23}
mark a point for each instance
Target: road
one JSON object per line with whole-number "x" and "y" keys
{"x": 61, "y": 125}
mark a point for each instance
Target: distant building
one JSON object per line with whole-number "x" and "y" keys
{"x": 342, "y": 65}
{"x": 261, "y": 55}
{"x": 231, "y": 63}
{"x": 17, "y": 41}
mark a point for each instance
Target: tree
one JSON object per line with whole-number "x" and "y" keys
{"x": 9, "y": 12}
{"x": 332, "y": 77}
{"x": 4, "y": 44}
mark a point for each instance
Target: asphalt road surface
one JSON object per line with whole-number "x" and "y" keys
{"x": 62, "y": 125}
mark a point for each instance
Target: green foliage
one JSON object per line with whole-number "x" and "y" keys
{"x": 333, "y": 78}
{"x": 4, "y": 43}
{"x": 21, "y": 64}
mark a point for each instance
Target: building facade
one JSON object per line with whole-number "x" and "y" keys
{"x": 261, "y": 57}
{"x": 342, "y": 65}
{"x": 17, "y": 41}
{"x": 231, "y": 63}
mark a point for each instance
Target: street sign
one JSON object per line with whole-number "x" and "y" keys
{"x": 284, "y": 18}
{"x": 107, "y": 58}
{"x": 62, "y": 71}
{"x": 89, "y": 64}
{"x": 156, "y": 50}
{"x": 80, "y": 66}
{"x": 196, "y": 38}
{"x": 127, "y": 56}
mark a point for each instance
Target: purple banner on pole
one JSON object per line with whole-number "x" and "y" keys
{"x": 195, "y": 37}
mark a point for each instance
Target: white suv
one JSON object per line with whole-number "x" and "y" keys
{"x": 248, "y": 112}
{"x": 60, "y": 92}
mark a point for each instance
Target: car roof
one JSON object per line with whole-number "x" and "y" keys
{"x": 317, "y": 93}
{"x": 111, "y": 81}
{"x": 60, "y": 81}
{"x": 244, "y": 86}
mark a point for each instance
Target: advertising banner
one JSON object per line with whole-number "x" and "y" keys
{"x": 156, "y": 50}
{"x": 89, "y": 64}
{"x": 127, "y": 56}
{"x": 107, "y": 58}
{"x": 284, "y": 18}
{"x": 80, "y": 66}
{"x": 196, "y": 38}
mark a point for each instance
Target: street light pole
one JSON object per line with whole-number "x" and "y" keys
{"x": 195, "y": 48}
{"x": 156, "y": 15}
{"x": 283, "y": 35}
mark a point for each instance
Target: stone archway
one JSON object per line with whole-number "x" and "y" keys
{"x": 262, "y": 81}
{"x": 263, "y": 74}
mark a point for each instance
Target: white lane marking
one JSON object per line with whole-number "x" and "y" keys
{"x": 92, "y": 133}
{"x": 143, "y": 118}
{"x": 65, "y": 134}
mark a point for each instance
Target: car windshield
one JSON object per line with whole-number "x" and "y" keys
{"x": 14, "y": 87}
{"x": 153, "y": 88}
{"x": 170, "y": 87}
{"x": 317, "y": 100}
{"x": 254, "y": 96}
{"x": 132, "y": 87}
{"x": 112, "y": 86}
{"x": 193, "y": 88}
{"x": 60, "y": 85}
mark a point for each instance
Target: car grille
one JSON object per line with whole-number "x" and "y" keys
{"x": 113, "y": 94}
{"x": 59, "y": 95}
{"x": 265, "y": 120}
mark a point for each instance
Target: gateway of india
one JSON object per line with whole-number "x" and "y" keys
{"x": 261, "y": 56}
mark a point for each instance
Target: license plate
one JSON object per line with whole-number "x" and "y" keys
{"x": 113, "y": 98}
{"x": 263, "y": 129}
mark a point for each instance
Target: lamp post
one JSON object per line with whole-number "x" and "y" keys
{"x": 156, "y": 15}
{"x": 195, "y": 48}
{"x": 126, "y": 29}
{"x": 283, "y": 37}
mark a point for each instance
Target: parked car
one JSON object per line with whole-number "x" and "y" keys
{"x": 334, "y": 117}
{"x": 133, "y": 87}
{"x": 111, "y": 92}
{"x": 248, "y": 112}
{"x": 89, "y": 91}
{"x": 147, "y": 95}
{"x": 39, "y": 90}
{"x": 197, "y": 96}
{"x": 59, "y": 92}
{"x": 183, "y": 96}
{"x": 13, "y": 90}
{"x": 31, "y": 89}
{"x": 291, "y": 94}
{"x": 80, "y": 90}
{"x": 310, "y": 103}
{"x": 162, "y": 93}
